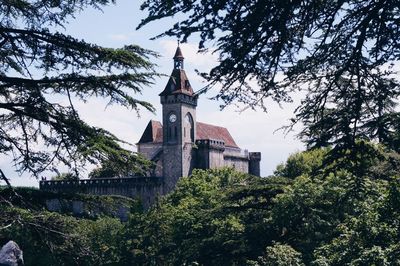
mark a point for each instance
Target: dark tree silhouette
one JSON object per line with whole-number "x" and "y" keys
{"x": 341, "y": 52}
{"x": 39, "y": 64}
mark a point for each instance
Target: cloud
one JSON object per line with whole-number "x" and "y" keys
{"x": 203, "y": 61}
{"x": 120, "y": 37}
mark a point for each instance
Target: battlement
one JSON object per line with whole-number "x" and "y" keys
{"x": 211, "y": 144}
{"x": 100, "y": 181}
{"x": 255, "y": 156}
{"x": 254, "y": 163}
{"x": 144, "y": 188}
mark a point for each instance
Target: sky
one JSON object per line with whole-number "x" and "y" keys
{"x": 115, "y": 26}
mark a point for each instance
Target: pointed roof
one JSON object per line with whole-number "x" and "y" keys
{"x": 178, "y": 83}
{"x": 178, "y": 53}
{"x": 152, "y": 133}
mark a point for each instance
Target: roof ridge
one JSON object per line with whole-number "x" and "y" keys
{"x": 212, "y": 125}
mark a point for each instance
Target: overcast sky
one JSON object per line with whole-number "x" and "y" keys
{"x": 115, "y": 27}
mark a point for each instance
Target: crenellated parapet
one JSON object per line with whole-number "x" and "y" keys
{"x": 255, "y": 156}
{"x": 210, "y": 144}
{"x": 147, "y": 189}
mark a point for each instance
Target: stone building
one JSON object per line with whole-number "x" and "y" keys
{"x": 177, "y": 146}
{"x": 180, "y": 143}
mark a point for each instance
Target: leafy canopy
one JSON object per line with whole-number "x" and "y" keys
{"x": 40, "y": 65}
{"x": 318, "y": 214}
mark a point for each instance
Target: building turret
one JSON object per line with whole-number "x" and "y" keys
{"x": 178, "y": 59}
{"x": 254, "y": 163}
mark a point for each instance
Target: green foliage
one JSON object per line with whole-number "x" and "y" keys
{"x": 369, "y": 238}
{"x": 340, "y": 216}
{"x": 318, "y": 210}
{"x": 280, "y": 255}
{"x": 135, "y": 165}
{"x": 106, "y": 239}
{"x": 302, "y": 163}
{"x": 213, "y": 217}
{"x": 65, "y": 176}
{"x": 38, "y": 65}
{"x": 45, "y": 238}
{"x": 49, "y": 238}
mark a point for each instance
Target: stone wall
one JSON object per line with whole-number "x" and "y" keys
{"x": 149, "y": 150}
{"x": 146, "y": 189}
{"x": 209, "y": 154}
{"x": 237, "y": 158}
{"x": 240, "y": 164}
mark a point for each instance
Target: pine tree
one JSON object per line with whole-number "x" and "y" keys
{"x": 38, "y": 64}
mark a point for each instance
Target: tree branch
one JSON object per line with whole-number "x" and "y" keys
{"x": 3, "y": 176}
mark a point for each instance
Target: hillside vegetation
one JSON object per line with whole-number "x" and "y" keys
{"x": 317, "y": 209}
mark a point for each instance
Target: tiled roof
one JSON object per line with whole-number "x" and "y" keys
{"x": 152, "y": 133}
{"x": 207, "y": 131}
{"x": 178, "y": 83}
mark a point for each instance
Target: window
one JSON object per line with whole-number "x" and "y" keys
{"x": 189, "y": 126}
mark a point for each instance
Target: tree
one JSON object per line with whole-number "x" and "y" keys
{"x": 341, "y": 51}
{"x": 65, "y": 176}
{"x": 277, "y": 255}
{"x": 51, "y": 238}
{"x": 302, "y": 163}
{"x": 318, "y": 214}
{"x": 39, "y": 64}
{"x": 113, "y": 168}
{"x": 213, "y": 217}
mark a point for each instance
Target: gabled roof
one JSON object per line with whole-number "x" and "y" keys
{"x": 178, "y": 83}
{"x": 207, "y": 131}
{"x": 152, "y": 133}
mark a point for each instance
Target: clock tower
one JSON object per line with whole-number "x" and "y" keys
{"x": 179, "y": 124}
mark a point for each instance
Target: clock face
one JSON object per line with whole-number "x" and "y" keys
{"x": 172, "y": 118}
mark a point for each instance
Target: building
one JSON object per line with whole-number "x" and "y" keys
{"x": 176, "y": 146}
{"x": 180, "y": 143}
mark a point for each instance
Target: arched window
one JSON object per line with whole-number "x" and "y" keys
{"x": 188, "y": 128}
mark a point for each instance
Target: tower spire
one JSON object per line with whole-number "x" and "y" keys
{"x": 178, "y": 82}
{"x": 178, "y": 58}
